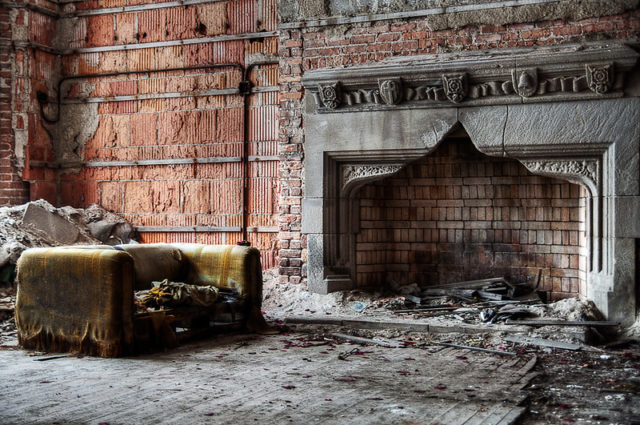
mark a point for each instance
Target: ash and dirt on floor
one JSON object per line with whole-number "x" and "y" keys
{"x": 586, "y": 374}
{"x": 316, "y": 364}
{"x": 597, "y": 383}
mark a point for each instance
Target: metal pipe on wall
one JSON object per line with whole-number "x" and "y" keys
{"x": 244, "y": 89}
{"x": 245, "y": 143}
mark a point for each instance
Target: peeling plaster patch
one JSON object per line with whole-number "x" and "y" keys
{"x": 260, "y": 57}
{"x": 18, "y": 32}
{"x": 71, "y": 33}
{"x": 84, "y": 89}
{"x": 21, "y": 138}
{"x": 78, "y": 123}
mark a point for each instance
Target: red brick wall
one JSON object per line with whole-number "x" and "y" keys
{"x": 37, "y": 70}
{"x": 381, "y": 40}
{"x": 12, "y": 189}
{"x": 355, "y": 44}
{"x": 460, "y": 215}
{"x": 169, "y": 116}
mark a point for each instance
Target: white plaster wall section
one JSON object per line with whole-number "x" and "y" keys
{"x": 77, "y": 125}
{"x": 71, "y": 33}
{"x": 21, "y": 139}
{"x": 19, "y": 32}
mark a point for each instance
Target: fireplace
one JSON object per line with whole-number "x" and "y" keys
{"x": 561, "y": 120}
{"x": 459, "y": 215}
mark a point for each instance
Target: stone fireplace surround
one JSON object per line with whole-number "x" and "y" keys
{"x": 571, "y": 112}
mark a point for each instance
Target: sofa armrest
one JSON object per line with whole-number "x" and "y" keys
{"x": 226, "y": 267}
{"x": 75, "y": 299}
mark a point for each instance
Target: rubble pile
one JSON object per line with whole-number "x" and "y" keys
{"x": 39, "y": 224}
{"x": 494, "y": 309}
{"x": 7, "y": 324}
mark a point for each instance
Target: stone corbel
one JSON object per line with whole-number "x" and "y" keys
{"x": 356, "y": 174}
{"x": 584, "y": 171}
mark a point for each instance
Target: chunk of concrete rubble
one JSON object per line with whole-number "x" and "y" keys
{"x": 50, "y": 223}
{"x": 40, "y": 224}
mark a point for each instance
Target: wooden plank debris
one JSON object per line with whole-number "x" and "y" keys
{"x": 468, "y": 347}
{"x": 548, "y": 322}
{"x": 359, "y": 340}
{"x": 542, "y": 342}
{"x": 472, "y": 284}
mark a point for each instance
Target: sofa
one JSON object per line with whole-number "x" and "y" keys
{"x": 81, "y": 298}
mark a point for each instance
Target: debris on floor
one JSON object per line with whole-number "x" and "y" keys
{"x": 8, "y": 331}
{"x": 7, "y": 303}
{"x": 554, "y": 375}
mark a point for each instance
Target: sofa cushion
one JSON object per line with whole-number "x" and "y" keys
{"x": 155, "y": 262}
{"x": 226, "y": 267}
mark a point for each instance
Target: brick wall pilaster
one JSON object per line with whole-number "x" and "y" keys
{"x": 292, "y": 244}
{"x": 12, "y": 189}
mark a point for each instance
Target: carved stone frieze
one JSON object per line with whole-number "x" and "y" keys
{"x": 455, "y": 87}
{"x": 551, "y": 75}
{"x": 599, "y": 77}
{"x": 330, "y": 95}
{"x": 352, "y": 173}
{"x": 525, "y": 82}
{"x": 585, "y": 171}
{"x": 390, "y": 91}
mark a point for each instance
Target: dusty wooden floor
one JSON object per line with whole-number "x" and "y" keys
{"x": 244, "y": 379}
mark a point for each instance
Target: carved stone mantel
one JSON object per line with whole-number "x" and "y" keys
{"x": 567, "y": 112}
{"x": 505, "y": 77}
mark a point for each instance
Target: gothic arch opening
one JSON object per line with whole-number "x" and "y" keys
{"x": 458, "y": 214}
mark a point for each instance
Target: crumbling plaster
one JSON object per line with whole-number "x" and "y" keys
{"x": 442, "y": 14}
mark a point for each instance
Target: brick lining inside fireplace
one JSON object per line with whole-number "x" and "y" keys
{"x": 458, "y": 214}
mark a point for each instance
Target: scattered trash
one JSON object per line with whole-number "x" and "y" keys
{"x": 355, "y": 352}
{"x": 487, "y": 315}
{"x": 359, "y": 306}
{"x": 562, "y": 323}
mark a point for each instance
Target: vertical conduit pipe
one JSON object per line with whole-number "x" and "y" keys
{"x": 245, "y": 90}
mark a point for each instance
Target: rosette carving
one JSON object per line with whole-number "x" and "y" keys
{"x": 600, "y": 78}
{"x": 455, "y": 87}
{"x": 330, "y": 95}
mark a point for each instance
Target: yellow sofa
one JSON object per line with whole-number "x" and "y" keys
{"x": 81, "y": 298}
